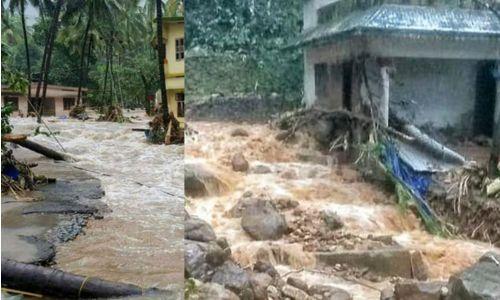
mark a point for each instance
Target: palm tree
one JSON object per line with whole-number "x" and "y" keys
{"x": 161, "y": 58}
{"x": 20, "y": 5}
{"x": 47, "y": 55}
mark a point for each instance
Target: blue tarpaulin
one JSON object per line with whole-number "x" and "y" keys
{"x": 416, "y": 181}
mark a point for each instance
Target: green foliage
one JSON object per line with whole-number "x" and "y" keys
{"x": 16, "y": 80}
{"x": 6, "y": 112}
{"x": 125, "y": 26}
{"x": 250, "y": 33}
{"x": 190, "y": 288}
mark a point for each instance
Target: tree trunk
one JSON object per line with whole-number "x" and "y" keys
{"x": 42, "y": 150}
{"x": 47, "y": 54}
{"x": 26, "y": 48}
{"x": 161, "y": 58}
{"x": 55, "y": 283}
{"x": 146, "y": 91}
{"x": 50, "y": 50}
{"x": 105, "y": 76}
{"x": 82, "y": 58}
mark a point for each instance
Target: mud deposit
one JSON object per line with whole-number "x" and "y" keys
{"x": 139, "y": 240}
{"x": 35, "y": 223}
{"x": 341, "y": 231}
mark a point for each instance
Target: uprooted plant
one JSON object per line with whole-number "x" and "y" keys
{"x": 113, "y": 113}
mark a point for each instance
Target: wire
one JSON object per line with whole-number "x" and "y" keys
{"x": 46, "y": 126}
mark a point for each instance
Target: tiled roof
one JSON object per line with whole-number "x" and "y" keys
{"x": 417, "y": 20}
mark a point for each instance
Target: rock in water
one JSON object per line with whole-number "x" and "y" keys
{"x": 478, "y": 282}
{"x": 199, "y": 181}
{"x": 239, "y": 163}
{"x": 415, "y": 290}
{"x": 332, "y": 220}
{"x": 239, "y": 132}
{"x": 262, "y": 221}
{"x": 198, "y": 230}
{"x": 195, "y": 264}
{"x": 233, "y": 278}
{"x": 212, "y": 290}
{"x": 329, "y": 292}
{"x": 260, "y": 283}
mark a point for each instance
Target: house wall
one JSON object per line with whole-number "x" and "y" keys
{"x": 173, "y": 31}
{"x": 441, "y": 92}
{"x": 23, "y": 106}
{"x": 437, "y": 92}
{"x": 172, "y": 104}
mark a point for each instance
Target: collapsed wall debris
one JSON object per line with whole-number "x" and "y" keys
{"x": 424, "y": 172}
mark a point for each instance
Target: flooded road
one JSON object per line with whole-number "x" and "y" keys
{"x": 140, "y": 240}
{"x": 365, "y": 209}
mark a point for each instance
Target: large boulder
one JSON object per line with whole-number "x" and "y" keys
{"x": 262, "y": 221}
{"x": 200, "y": 181}
{"x": 201, "y": 259}
{"x": 210, "y": 290}
{"x": 329, "y": 292}
{"x": 198, "y": 230}
{"x": 234, "y": 278}
{"x": 239, "y": 163}
{"x": 260, "y": 283}
{"x": 481, "y": 281}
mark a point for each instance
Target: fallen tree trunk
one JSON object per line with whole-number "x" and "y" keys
{"x": 14, "y": 138}
{"x": 42, "y": 150}
{"x": 438, "y": 150}
{"x": 56, "y": 283}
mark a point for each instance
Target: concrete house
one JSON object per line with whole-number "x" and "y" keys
{"x": 431, "y": 63}
{"x": 59, "y": 100}
{"x": 173, "y": 38}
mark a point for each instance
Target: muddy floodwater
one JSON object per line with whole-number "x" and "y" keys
{"x": 140, "y": 240}
{"x": 365, "y": 209}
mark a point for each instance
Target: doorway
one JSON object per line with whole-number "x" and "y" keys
{"x": 49, "y": 107}
{"x": 485, "y": 99}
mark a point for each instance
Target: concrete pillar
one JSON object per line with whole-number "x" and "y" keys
{"x": 376, "y": 88}
{"x": 383, "y": 109}
{"x": 309, "y": 81}
{"x": 495, "y": 147}
{"x": 496, "y": 119}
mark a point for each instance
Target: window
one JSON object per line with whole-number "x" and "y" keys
{"x": 179, "y": 49}
{"x": 68, "y": 103}
{"x": 14, "y": 102}
{"x": 179, "y": 98}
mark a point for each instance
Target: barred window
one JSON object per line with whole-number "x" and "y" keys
{"x": 179, "y": 49}
{"x": 68, "y": 103}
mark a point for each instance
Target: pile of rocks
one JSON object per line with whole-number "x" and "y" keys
{"x": 320, "y": 231}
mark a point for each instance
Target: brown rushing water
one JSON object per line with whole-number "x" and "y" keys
{"x": 141, "y": 240}
{"x": 363, "y": 207}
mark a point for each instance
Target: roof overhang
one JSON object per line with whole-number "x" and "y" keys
{"x": 398, "y": 30}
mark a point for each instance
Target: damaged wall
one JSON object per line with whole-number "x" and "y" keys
{"x": 441, "y": 92}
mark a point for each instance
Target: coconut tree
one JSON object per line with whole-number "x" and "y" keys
{"x": 47, "y": 55}
{"x": 161, "y": 58}
{"x": 20, "y": 6}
